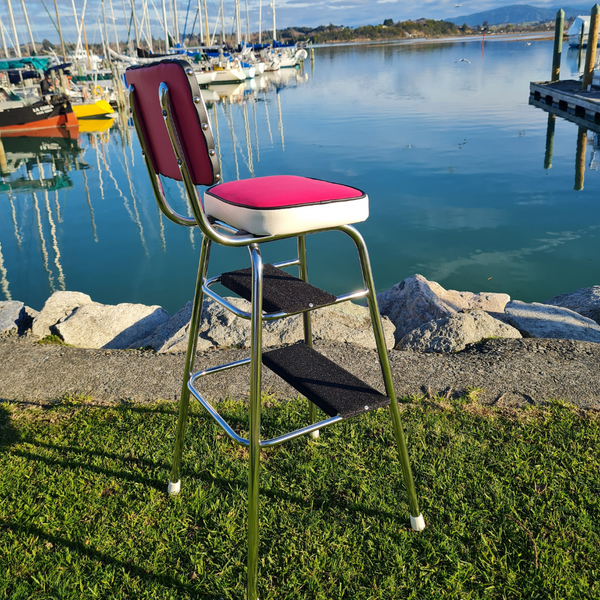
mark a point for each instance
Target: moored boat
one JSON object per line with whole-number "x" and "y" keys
{"x": 574, "y": 32}
{"x": 38, "y": 118}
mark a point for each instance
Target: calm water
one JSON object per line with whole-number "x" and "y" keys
{"x": 450, "y": 153}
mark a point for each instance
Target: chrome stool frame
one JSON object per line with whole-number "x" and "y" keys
{"x": 217, "y": 231}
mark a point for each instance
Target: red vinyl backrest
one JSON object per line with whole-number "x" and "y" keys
{"x": 187, "y": 115}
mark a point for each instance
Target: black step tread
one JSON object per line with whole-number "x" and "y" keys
{"x": 323, "y": 382}
{"x": 282, "y": 292}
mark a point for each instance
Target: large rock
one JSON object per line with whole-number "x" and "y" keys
{"x": 415, "y": 301}
{"x": 58, "y": 306}
{"x": 585, "y": 301}
{"x": 116, "y": 327}
{"x": 545, "y": 321}
{"x": 220, "y": 328}
{"x": 10, "y": 314}
{"x": 15, "y": 317}
{"x": 453, "y": 333}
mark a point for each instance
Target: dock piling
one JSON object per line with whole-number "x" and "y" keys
{"x": 549, "y": 141}
{"x": 558, "y": 38}
{"x": 590, "y": 55}
{"x": 580, "y": 157}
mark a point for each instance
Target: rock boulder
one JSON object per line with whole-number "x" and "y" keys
{"x": 58, "y": 306}
{"x": 415, "y": 301}
{"x": 585, "y": 301}
{"x": 220, "y": 328}
{"x": 113, "y": 327}
{"x": 545, "y": 321}
{"x": 453, "y": 333}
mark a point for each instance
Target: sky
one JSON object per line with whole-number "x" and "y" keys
{"x": 309, "y": 13}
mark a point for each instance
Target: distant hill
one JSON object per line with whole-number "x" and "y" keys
{"x": 517, "y": 13}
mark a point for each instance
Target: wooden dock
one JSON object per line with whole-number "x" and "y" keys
{"x": 568, "y": 98}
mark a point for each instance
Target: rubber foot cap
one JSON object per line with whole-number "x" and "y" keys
{"x": 417, "y": 523}
{"x": 174, "y": 488}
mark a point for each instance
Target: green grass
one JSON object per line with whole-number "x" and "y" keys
{"x": 511, "y": 501}
{"x": 53, "y": 340}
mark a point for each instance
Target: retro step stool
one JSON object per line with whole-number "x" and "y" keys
{"x": 176, "y": 139}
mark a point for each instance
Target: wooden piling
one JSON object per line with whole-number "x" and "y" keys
{"x": 559, "y": 30}
{"x": 549, "y": 141}
{"x": 590, "y": 55}
{"x": 580, "y": 157}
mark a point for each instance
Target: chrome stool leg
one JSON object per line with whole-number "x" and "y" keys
{"x": 174, "y": 486}
{"x": 254, "y": 433}
{"x": 306, "y": 321}
{"x": 416, "y": 518}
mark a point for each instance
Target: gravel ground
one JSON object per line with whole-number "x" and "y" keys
{"x": 508, "y": 372}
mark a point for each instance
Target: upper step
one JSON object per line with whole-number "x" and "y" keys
{"x": 282, "y": 292}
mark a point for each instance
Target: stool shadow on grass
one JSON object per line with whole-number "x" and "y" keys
{"x": 8, "y": 434}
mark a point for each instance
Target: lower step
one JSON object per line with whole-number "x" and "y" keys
{"x": 323, "y": 382}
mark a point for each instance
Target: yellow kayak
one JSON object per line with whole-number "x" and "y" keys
{"x": 93, "y": 110}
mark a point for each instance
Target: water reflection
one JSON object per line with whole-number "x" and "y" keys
{"x": 78, "y": 213}
{"x": 583, "y": 126}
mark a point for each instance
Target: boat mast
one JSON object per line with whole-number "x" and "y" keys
{"x": 3, "y": 40}
{"x": 164, "y": 11}
{"x": 87, "y": 50}
{"x": 128, "y": 41}
{"x": 222, "y": 24}
{"x": 62, "y": 44}
{"x": 200, "y": 22}
{"x": 175, "y": 25}
{"x": 12, "y": 22}
{"x": 259, "y": 22}
{"x": 79, "y": 47}
{"x": 274, "y": 27}
{"x": 206, "y": 24}
{"x": 247, "y": 24}
{"x": 105, "y": 31}
{"x": 112, "y": 16}
{"x": 238, "y": 28}
{"x": 135, "y": 24}
{"x": 33, "y": 52}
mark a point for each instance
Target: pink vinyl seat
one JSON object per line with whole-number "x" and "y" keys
{"x": 285, "y": 204}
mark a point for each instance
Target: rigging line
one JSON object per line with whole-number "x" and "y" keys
{"x": 14, "y": 218}
{"x": 185, "y": 23}
{"x": 3, "y": 277}
{"x": 61, "y": 274}
{"x": 50, "y": 16}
